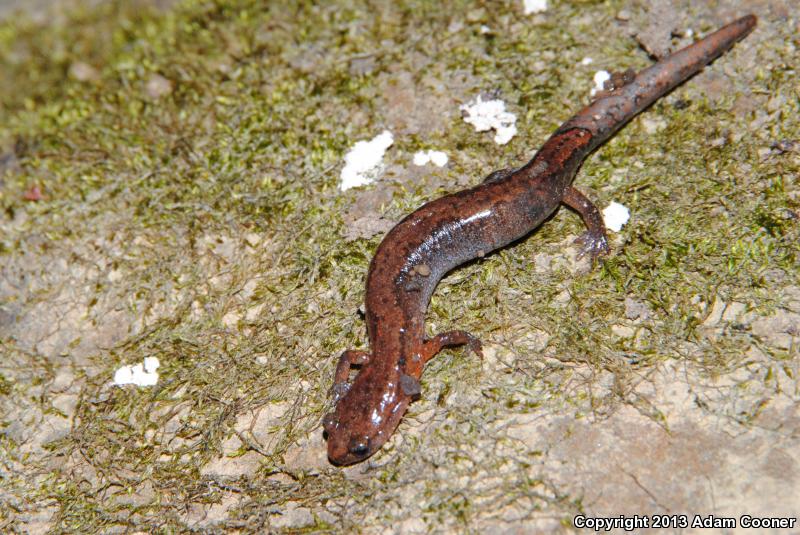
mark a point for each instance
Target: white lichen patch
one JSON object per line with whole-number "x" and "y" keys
{"x": 535, "y": 6}
{"x": 144, "y": 374}
{"x": 364, "y": 162}
{"x": 436, "y": 157}
{"x": 615, "y": 215}
{"x": 491, "y": 115}
{"x": 600, "y": 78}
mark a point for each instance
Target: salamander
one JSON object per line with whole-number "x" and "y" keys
{"x": 454, "y": 229}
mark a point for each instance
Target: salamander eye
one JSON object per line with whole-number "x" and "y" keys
{"x": 329, "y": 423}
{"x": 359, "y": 446}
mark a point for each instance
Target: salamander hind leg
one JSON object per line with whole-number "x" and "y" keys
{"x": 433, "y": 345}
{"x": 341, "y": 379}
{"x": 594, "y": 241}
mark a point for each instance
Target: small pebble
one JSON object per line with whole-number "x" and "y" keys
{"x": 158, "y": 86}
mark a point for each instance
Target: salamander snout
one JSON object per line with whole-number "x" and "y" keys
{"x": 345, "y": 449}
{"x": 344, "y": 446}
{"x": 364, "y": 418}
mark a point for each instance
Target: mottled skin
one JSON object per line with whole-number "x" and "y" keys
{"x": 459, "y": 227}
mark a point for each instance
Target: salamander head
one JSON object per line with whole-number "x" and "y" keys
{"x": 364, "y": 418}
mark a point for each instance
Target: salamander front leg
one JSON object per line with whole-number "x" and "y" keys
{"x": 341, "y": 379}
{"x": 594, "y": 241}
{"x": 449, "y": 339}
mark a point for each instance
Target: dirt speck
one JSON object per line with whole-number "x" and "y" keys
{"x": 158, "y": 86}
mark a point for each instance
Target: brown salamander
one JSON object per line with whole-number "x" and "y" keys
{"x": 459, "y": 227}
